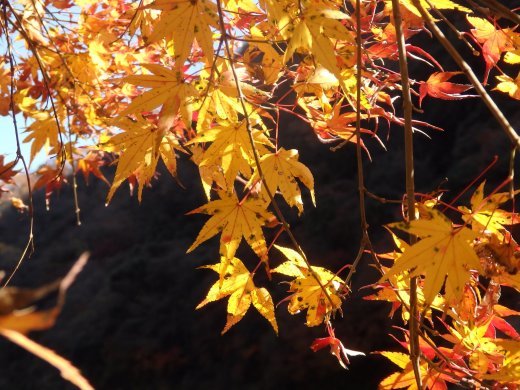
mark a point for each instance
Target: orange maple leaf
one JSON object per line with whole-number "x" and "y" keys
{"x": 439, "y": 87}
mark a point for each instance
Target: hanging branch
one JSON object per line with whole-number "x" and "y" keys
{"x": 77, "y": 209}
{"x": 463, "y": 65}
{"x": 415, "y": 352}
{"x": 365, "y": 240}
{"x": 241, "y": 98}
{"x": 29, "y": 246}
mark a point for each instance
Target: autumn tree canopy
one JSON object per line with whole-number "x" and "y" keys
{"x": 135, "y": 85}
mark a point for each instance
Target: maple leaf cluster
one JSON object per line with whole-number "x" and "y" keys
{"x": 139, "y": 84}
{"x": 461, "y": 270}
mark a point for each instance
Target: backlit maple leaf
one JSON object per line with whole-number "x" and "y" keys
{"x": 314, "y": 31}
{"x": 182, "y": 21}
{"x": 237, "y": 283}
{"x": 405, "y": 379}
{"x": 494, "y": 41}
{"x": 439, "y": 87}
{"x": 280, "y": 170}
{"x": 443, "y": 253}
{"x": 397, "y": 289}
{"x": 43, "y": 133}
{"x": 307, "y": 292}
{"x": 509, "y": 369}
{"x": 139, "y": 146}
{"x": 234, "y": 219}
{"x": 509, "y": 85}
{"x": 439, "y": 4}
{"x": 168, "y": 89}
{"x": 485, "y": 213}
{"x": 231, "y": 148}
{"x": 7, "y": 170}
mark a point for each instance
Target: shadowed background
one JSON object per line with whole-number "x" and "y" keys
{"x": 129, "y": 321}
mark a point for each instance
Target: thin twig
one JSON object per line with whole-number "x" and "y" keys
{"x": 29, "y": 246}
{"x": 359, "y": 154}
{"x": 501, "y": 10}
{"x": 45, "y": 76}
{"x": 249, "y": 127}
{"x": 77, "y": 210}
{"x": 415, "y": 352}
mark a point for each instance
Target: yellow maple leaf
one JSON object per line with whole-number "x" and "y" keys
{"x": 168, "y": 89}
{"x": 234, "y": 219}
{"x": 313, "y": 33}
{"x": 470, "y": 338}
{"x": 220, "y": 100}
{"x": 307, "y": 292}
{"x": 237, "y": 283}
{"x": 398, "y": 290}
{"x": 271, "y": 61}
{"x": 443, "y": 253}
{"x": 209, "y": 174}
{"x": 403, "y": 379}
{"x": 98, "y": 53}
{"x": 509, "y": 371}
{"x": 280, "y": 171}
{"x": 231, "y": 148}
{"x": 406, "y": 378}
{"x": 43, "y": 132}
{"x": 139, "y": 146}
{"x": 485, "y": 213}
{"x": 509, "y": 85}
{"x": 181, "y": 22}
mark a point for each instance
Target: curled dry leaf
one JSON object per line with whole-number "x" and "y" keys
{"x": 17, "y": 319}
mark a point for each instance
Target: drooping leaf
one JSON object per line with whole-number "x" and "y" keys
{"x": 90, "y": 164}
{"x": 280, "y": 171}
{"x": 313, "y": 33}
{"x": 231, "y": 148}
{"x": 234, "y": 219}
{"x": 183, "y": 21}
{"x": 43, "y": 133}
{"x": 307, "y": 294}
{"x": 168, "y": 89}
{"x": 439, "y": 87}
{"x": 50, "y": 178}
{"x": 139, "y": 146}
{"x": 397, "y": 289}
{"x": 237, "y": 283}
{"x": 336, "y": 348}
{"x": 509, "y": 85}
{"x": 485, "y": 213}
{"x": 494, "y": 41}
{"x": 7, "y": 171}
{"x": 443, "y": 253}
